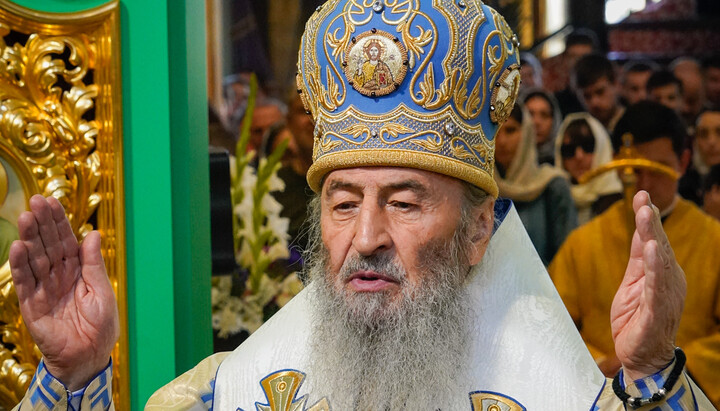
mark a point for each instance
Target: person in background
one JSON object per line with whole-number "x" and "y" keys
{"x": 664, "y": 88}
{"x": 690, "y": 73}
{"x": 633, "y": 80}
{"x": 530, "y": 71}
{"x": 541, "y": 193}
{"x": 595, "y": 82}
{"x": 586, "y": 277}
{"x": 707, "y": 140}
{"x": 236, "y": 90}
{"x": 556, "y": 70}
{"x": 706, "y": 154}
{"x": 583, "y": 145}
{"x": 269, "y": 113}
{"x": 712, "y": 80}
{"x": 545, "y": 114}
{"x": 711, "y": 195}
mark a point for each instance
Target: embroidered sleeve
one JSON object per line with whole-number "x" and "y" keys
{"x": 192, "y": 391}
{"x": 47, "y": 393}
{"x": 685, "y": 395}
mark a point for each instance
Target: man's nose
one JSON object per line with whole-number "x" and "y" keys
{"x": 371, "y": 235}
{"x": 579, "y": 152}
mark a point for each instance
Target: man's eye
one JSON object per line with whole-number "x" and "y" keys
{"x": 344, "y": 206}
{"x": 402, "y": 205}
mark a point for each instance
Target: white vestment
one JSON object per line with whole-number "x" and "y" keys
{"x": 526, "y": 347}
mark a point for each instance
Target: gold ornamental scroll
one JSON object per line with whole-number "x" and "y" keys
{"x": 60, "y": 135}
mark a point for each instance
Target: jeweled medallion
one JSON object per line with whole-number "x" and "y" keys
{"x": 504, "y": 94}
{"x": 375, "y": 63}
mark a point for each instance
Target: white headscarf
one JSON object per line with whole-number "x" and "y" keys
{"x": 609, "y": 183}
{"x": 548, "y": 147}
{"x": 700, "y": 165}
{"x": 525, "y": 180}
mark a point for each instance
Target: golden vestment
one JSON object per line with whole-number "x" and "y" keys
{"x": 589, "y": 267}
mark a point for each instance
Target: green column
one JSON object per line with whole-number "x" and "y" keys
{"x": 166, "y": 185}
{"x": 191, "y": 174}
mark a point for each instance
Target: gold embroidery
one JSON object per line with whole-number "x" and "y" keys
{"x": 280, "y": 390}
{"x": 375, "y": 63}
{"x": 356, "y": 130}
{"x": 504, "y": 94}
{"x": 439, "y": 113}
{"x": 433, "y": 142}
{"x": 328, "y": 144}
{"x": 394, "y": 130}
{"x": 486, "y": 401}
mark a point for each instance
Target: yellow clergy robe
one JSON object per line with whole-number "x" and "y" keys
{"x": 589, "y": 267}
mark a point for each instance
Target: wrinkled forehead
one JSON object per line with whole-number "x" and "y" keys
{"x": 391, "y": 179}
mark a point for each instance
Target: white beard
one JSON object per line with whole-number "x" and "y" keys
{"x": 368, "y": 353}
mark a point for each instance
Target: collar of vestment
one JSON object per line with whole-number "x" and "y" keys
{"x": 526, "y": 355}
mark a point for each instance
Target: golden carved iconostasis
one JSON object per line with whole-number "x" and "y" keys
{"x": 60, "y": 120}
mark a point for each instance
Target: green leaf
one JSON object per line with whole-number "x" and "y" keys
{"x": 242, "y": 143}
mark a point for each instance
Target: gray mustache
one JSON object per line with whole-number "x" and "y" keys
{"x": 384, "y": 264}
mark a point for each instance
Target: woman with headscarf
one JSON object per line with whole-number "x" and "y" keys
{"x": 545, "y": 114}
{"x": 541, "y": 193}
{"x": 582, "y": 145}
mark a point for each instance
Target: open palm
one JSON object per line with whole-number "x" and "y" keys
{"x": 646, "y": 311}
{"x": 65, "y": 295}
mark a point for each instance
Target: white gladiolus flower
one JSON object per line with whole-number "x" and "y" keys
{"x": 270, "y": 205}
{"x": 278, "y": 251}
{"x": 256, "y": 246}
{"x": 279, "y": 227}
{"x": 275, "y": 183}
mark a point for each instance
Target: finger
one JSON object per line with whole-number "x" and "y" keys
{"x": 654, "y": 267}
{"x": 664, "y": 308}
{"x": 642, "y": 198}
{"x": 648, "y": 221}
{"x": 47, "y": 228}
{"x": 20, "y": 270}
{"x": 30, "y": 236}
{"x": 644, "y": 223}
{"x": 93, "y": 272}
{"x": 65, "y": 232}
{"x": 661, "y": 237}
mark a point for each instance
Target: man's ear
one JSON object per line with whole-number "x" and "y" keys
{"x": 481, "y": 231}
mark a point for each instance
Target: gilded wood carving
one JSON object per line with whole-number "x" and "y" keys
{"x": 60, "y": 119}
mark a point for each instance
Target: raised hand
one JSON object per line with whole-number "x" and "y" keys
{"x": 65, "y": 296}
{"x": 646, "y": 311}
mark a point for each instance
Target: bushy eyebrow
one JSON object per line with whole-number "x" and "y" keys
{"x": 411, "y": 185}
{"x": 338, "y": 185}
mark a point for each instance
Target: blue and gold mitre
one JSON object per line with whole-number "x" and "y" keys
{"x": 409, "y": 83}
